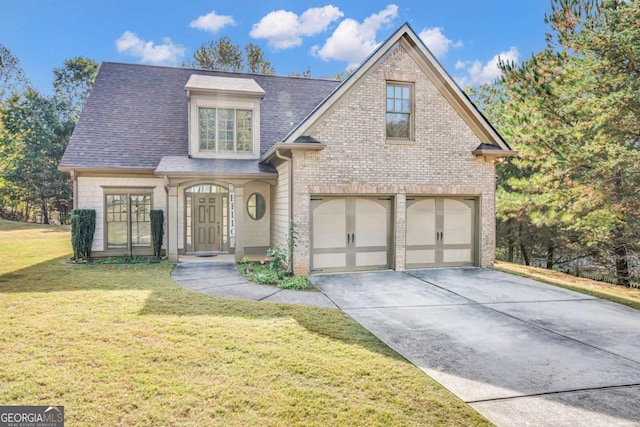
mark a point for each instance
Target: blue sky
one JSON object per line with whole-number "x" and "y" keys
{"x": 467, "y": 36}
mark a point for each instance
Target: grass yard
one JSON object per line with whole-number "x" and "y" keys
{"x": 124, "y": 345}
{"x": 615, "y": 293}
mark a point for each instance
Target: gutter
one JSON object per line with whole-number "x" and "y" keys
{"x": 317, "y": 146}
{"x": 74, "y": 188}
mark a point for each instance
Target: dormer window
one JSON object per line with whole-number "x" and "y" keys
{"x": 225, "y": 130}
{"x": 224, "y": 121}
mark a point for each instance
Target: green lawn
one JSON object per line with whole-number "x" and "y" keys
{"x": 124, "y": 345}
{"x": 620, "y": 294}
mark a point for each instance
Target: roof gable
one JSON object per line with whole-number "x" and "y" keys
{"x": 407, "y": 37}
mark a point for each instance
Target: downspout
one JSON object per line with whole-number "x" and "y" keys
{"x": 74, "y": 188}
{"x": 289, "y": 160}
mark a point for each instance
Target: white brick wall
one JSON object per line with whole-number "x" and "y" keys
{"x": 359, "y": 160}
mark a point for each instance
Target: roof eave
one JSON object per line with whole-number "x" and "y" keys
{"x": 494, "y": 154}
{"x": 292, "y": 146}
{"x": 193, "y": 174}
{"x": 109, "y": 170}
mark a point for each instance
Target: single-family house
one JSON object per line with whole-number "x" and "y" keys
{"x": 393, "y": 168}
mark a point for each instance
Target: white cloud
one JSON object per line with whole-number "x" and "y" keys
{"x": 212, "y": 22}
{"x": 437, "y": 42}
{"x": 284, "y": 29}
{"x": 316, "y": 19}
{"x": 478, "y": 73}
{"x": 461, "y": 64}
{"x": 353, "y": 41}
{"x": 166, "y": 53}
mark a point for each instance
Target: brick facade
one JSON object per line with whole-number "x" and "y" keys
{"x": 358, "y": 159}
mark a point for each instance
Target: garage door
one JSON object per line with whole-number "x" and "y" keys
{"x": 350, "y": 233}
{"x": 440, "y": 232}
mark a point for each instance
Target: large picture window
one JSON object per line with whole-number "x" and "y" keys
{"x": 398, "y": 111}
{"x": 225, "y": 130}
{"x": 128, "y": 220}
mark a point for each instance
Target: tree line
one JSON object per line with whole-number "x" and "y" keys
{"x": 573, "y": 113}
{"x": 35, "y": 128}
{"x": 34, "y": 132}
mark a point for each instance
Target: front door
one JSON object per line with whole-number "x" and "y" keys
{"x": 350, "y": 233}
{"x": 207, "y": 222}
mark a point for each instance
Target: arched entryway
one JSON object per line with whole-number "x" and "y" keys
{"x": 206, "y": 218}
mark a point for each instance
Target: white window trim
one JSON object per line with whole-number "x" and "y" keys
{"x": 198, "y": 101}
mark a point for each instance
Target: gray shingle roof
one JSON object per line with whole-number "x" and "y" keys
{"x": 182, "y": 164}
{"x": 136, "y": 114}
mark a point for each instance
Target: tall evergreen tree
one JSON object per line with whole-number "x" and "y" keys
{"x": 574, "y": 115}
{"x": 224, "y": 55}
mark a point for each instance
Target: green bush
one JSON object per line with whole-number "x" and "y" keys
{"x": 83, "y": 226}
{"x": 278, "y": 259}
{"x": 265, "y": 275}
{"x": 295, "y": 282}
{"x": 157, "y": 230}
{"x": 75, "y": 235}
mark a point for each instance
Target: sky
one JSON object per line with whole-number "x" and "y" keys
{"x": 329, "y": 37}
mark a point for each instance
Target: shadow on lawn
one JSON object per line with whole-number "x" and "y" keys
{"x": 166, "y": 297}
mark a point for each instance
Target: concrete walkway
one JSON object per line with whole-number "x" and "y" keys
{"x": 222, "y": 279}
{"x": 520, "y": 352}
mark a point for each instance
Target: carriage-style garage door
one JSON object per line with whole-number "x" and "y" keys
{"x": 350, "y": 233}
{"x": 440, "y": 232}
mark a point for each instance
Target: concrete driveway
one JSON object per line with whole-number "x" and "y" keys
{"x": 518, "y": 351}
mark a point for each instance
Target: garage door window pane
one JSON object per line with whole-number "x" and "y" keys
{"x": 371, "y": 223}
{"x": 330, "y": 225}
{"x": 458, "y": 223}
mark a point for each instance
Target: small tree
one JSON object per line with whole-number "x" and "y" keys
{"x": 157, "y": 230}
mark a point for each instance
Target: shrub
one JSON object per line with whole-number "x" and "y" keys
{"x": 295, "y": 282}
{"x": 277, "y": 259}
{"x": 83, "y": 226}
{"x": 75, "y": 235}
{"x": 157, "y": 230}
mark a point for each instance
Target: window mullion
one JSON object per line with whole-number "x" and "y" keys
{"x": 235, "y": 131}
{"x": 215, "y": 129}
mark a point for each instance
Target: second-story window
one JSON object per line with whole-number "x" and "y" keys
{"x": 225, "y": 130}
{"x": 399, "y": 104}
